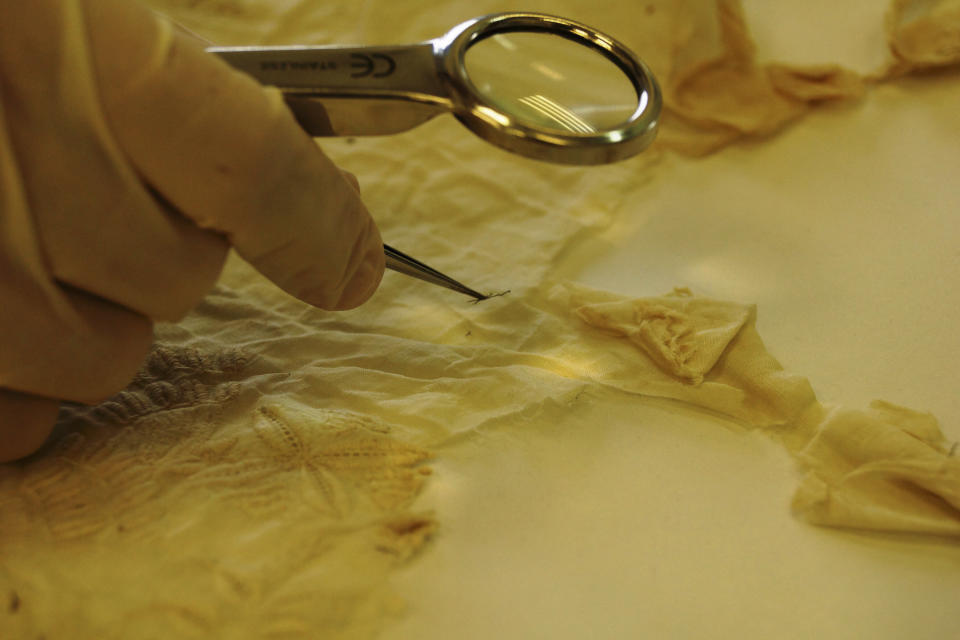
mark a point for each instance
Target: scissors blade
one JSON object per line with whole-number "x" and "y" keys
{"x": 402, "y": 263}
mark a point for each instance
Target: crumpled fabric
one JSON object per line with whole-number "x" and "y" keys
{"x": 923, "y": 36}
{"x": 886, "y": 468}
{"x": 263, "y": 467}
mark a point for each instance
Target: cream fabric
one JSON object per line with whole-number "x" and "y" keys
{"x": 923, "y": 35}
{"x": 262, "y": 467}
{"x": 887, "y": 468}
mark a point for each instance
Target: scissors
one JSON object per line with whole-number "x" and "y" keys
{"x": 541, "y": 86}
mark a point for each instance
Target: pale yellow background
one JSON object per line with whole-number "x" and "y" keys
{"x": 845, "y": 230}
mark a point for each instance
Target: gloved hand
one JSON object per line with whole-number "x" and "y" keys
{"x": 130, "y": 160}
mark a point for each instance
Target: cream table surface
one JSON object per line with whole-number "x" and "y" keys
{"x": 660, "y": 522}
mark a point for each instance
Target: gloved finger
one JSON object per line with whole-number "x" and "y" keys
{"x": 25, "y": 423}
{"x": 54, "y": 342}
{"x": 100, "y": 228}
{"x": 352, "y": 179}
{"x": 78, "y": 347}
{"x": 227, "y": 153}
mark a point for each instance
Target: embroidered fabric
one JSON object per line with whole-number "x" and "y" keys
{"x": 258, "y": 477}
{"x": 187, "y": 506}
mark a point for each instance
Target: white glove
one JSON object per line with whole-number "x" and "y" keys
{"x": 130, "y": 160}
